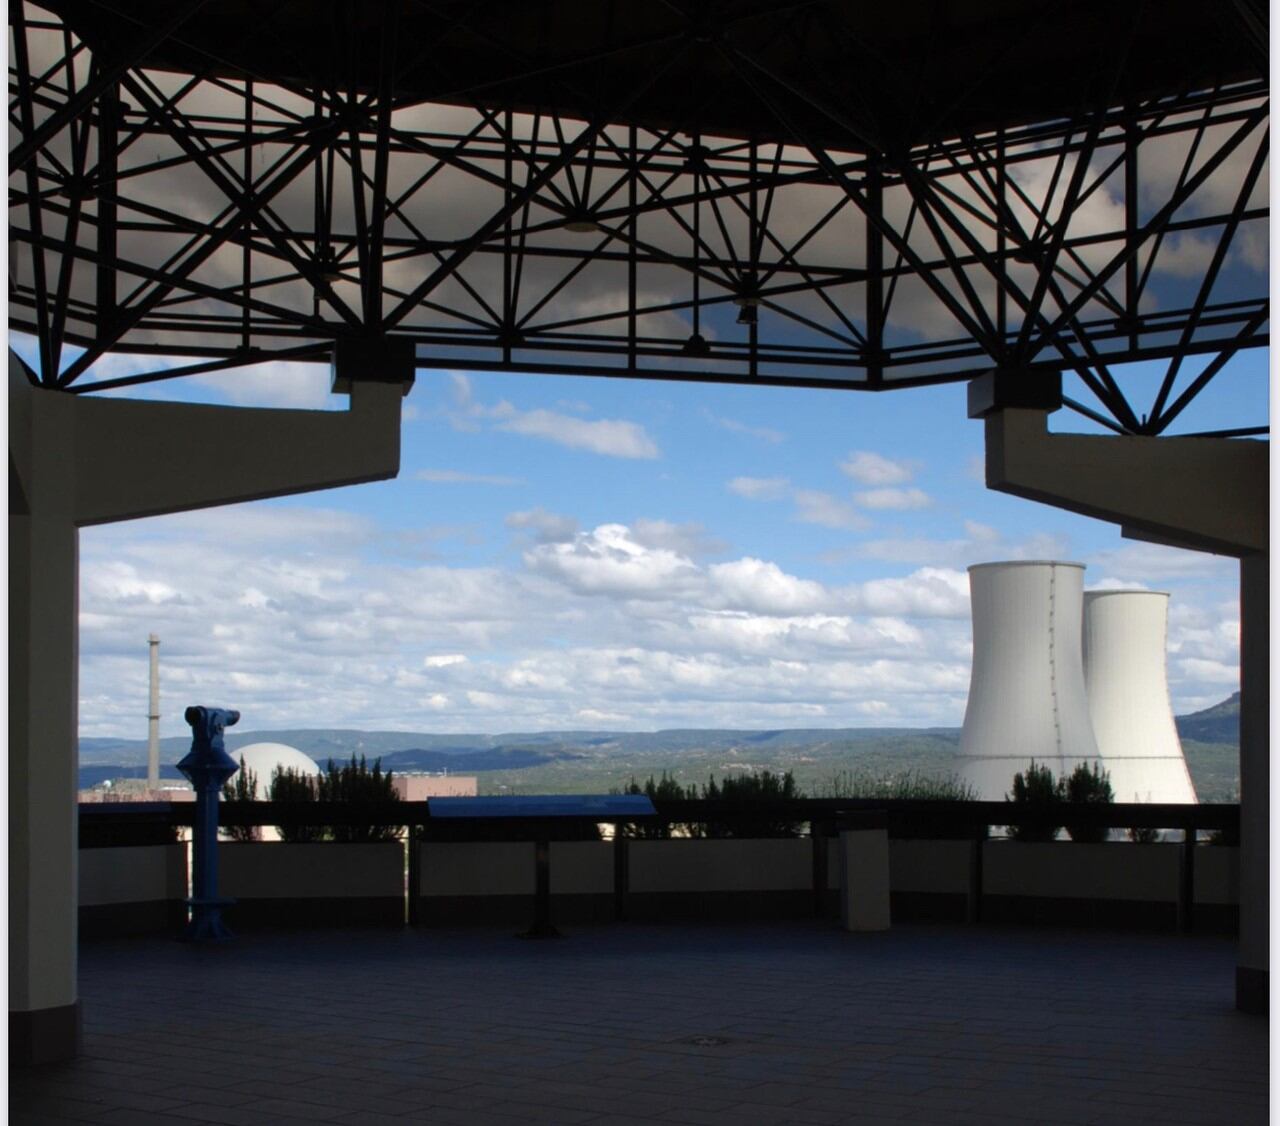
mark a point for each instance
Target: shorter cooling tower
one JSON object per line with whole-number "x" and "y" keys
{"x": 1026, "y": 691}
{"x": 1124, "y": 672}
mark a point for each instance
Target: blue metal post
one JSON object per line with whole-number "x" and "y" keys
{"x": 207, "y": 766}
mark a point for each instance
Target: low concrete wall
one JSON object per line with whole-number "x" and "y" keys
{"x": 737, "y": 879}
{"x": 463, "y": 883}
{"x": 1117, "y": 870}
{"x": 136, "y": 889}
{"x": 1112, "y": 883}
{"x": 279, "y": 884}
{"x": 721, "y": 865}
{"x": 1116, "y": 883}
{"x": 929, "y": 880}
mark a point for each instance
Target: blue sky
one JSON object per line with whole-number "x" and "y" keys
{"x": 564, "y": 553}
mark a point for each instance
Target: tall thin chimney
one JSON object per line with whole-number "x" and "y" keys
{"x": 153, "y": 717}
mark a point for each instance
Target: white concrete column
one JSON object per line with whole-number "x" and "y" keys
{"x": 44, "y": 1017}
{"x": 1253, "y": 964}
{"x": 1202, "y": 494}
{"x": 77, "y": 461}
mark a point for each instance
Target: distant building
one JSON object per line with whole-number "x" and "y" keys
{"x": 420, "y": 787}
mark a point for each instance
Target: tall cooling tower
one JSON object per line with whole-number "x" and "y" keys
{"x": 1124, "y": 672}
{"x": 1026, "y": 692}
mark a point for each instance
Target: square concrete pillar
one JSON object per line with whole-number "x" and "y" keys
{"x": 864, "y": 873}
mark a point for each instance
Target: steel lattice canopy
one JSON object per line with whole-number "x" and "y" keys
{"x": 825, "y": 193}
{"x": 899, "y": 73}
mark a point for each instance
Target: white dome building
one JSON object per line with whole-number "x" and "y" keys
{"x": 263, "y": 759}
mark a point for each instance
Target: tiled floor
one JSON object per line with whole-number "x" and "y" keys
{"x": 704, "y": 1025}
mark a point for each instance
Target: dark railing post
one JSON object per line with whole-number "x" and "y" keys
{"x": 819, "y": 833}
{"x": 973, "y": 901}
{"x": 621, "y": 873}
{"x": 207, "y": 766}
{"x": 1187, "y": 880}
{"x": 542, "y": 927}
{"x": 411, "y": 843}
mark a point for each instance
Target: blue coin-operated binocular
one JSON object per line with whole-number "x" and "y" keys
{"x": 207, "y": 766}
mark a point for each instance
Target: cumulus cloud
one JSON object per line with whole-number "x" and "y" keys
{"x": 609, "y": 560}
{"x": 1151, "y": 564}
{"x": 763, "y": 433}
{"x": 610, "y": 437}
{"x": 690, "y": 539}
{"x": 753, "y": 584}
{"x": 813, "y": 506}
{"x": 931, "y": 592}
{"x": 622, "y": 621}
{"x": 893, "y": 499}
{"x": 460, "y": 477}
{"x": 869, "y": 468}
{"x": 760, "y": 488}
{"x": 547, "y": 527}
{"x": 980, "y": 544}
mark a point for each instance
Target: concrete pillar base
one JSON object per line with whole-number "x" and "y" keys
{"x": 864, "y": 874}
{"x": 39, "y": 1036}
{"x": 1253, "y": 989}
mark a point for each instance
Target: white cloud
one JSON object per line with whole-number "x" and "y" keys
{"x": 444, "y": 660}
{"x": 548, "y": 527}
{"x": 763, "y": 433}
{"x": 929, "y": 592}
{"x": 753, "y": 584}
{"x": 1150, "y": 564}
{"x": 893, "y": 499}
{"x": 1185, "y": 255}
{"x": 610, "y": 561}
{"x": 869, "y": 468}
{"x": 760, "y": 488}
{"x": 816, "y": 507}
{"x": 289, "y": 615}
{"x": 689, "y": 539}
{"x": 607, "y": 436}
{"x": 459, "y": 477}
{"x": 980, "y": 544}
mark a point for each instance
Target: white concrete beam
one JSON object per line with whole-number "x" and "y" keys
{"x": 1211, "y": 494}
{"x": 77, "y": 461}
{"x": 1204, "y": 494}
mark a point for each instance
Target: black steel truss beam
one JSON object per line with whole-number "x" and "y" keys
{"x": 582, "y": 245}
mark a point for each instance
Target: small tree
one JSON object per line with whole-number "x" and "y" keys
{"x": 355, "y": 782}
{"x": 241, "y": 787}
{"x": 666, "y": 789}
{"x": 1035, "y": 789}
{"x": 745, "y": 791}
{"x": 1088, "y": 785}
{"x": 291, "y": 785}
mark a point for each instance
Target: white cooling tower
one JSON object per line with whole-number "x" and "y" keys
{"x": 1124, "y": 672}
{"x": 1026, "y": 691}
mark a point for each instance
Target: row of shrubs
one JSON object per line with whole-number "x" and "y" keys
{"x": 356, "y": 781}
{"x": 1036, "y": 786}
{"x": 353, "y": 781}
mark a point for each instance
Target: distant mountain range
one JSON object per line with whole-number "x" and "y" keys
{"x": 1218, "y": 724}
{"x": 422, "y": 751}
{"x": 472, "y": 754}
